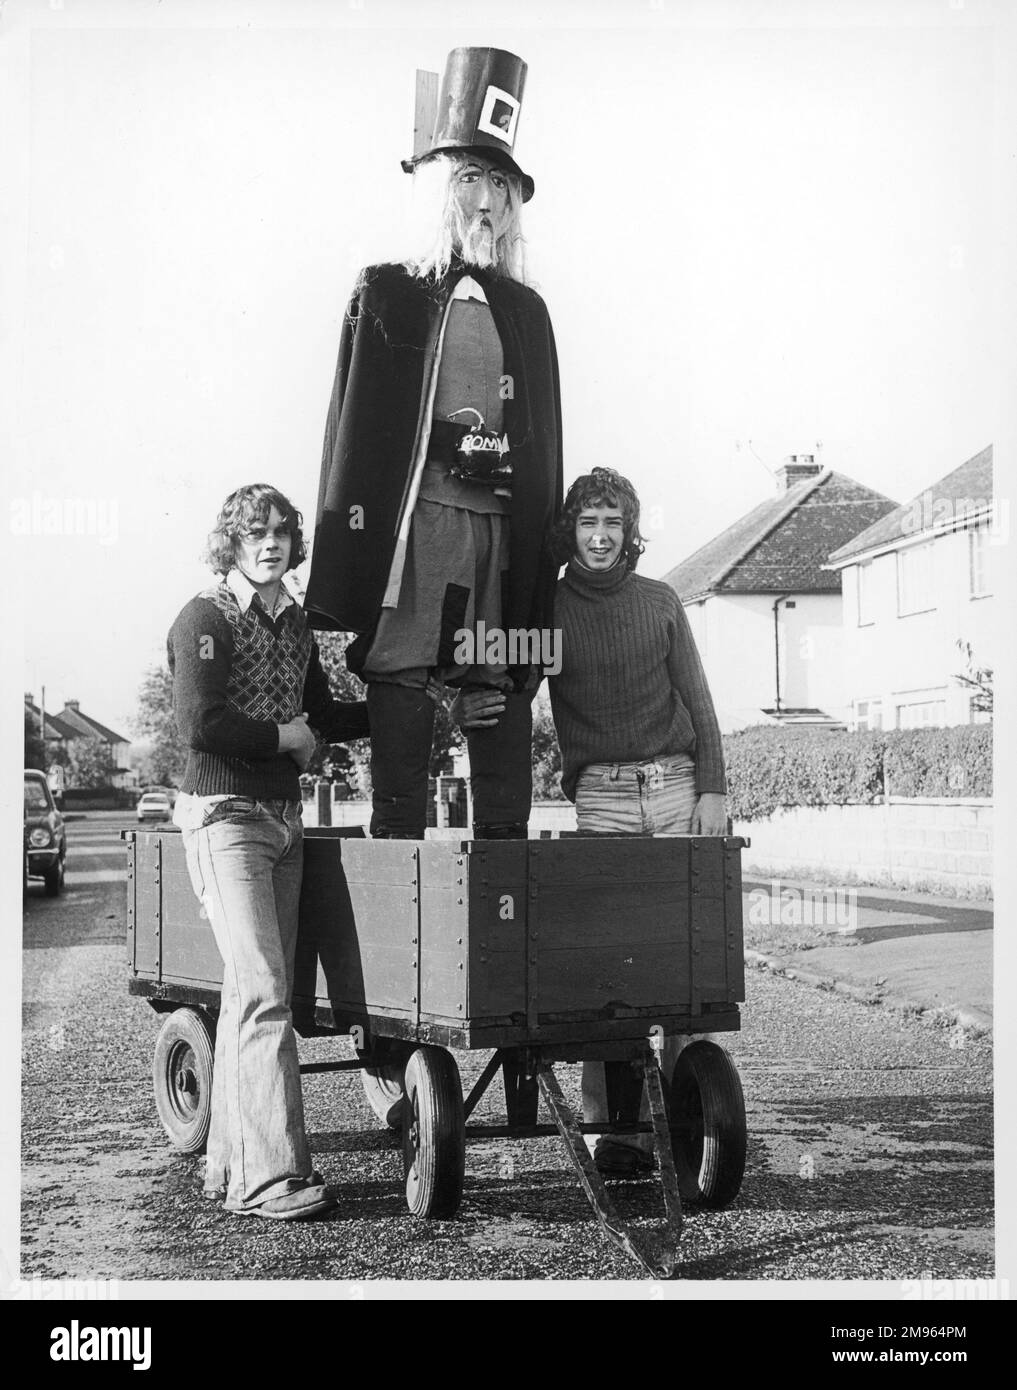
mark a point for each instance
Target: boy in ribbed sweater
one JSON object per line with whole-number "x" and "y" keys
{"x": 247, "y": 683}
{"x": 640, "y": 744}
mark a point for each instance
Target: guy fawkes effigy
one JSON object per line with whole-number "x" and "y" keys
{"x": 442, "y": 467}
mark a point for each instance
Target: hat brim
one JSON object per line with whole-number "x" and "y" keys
{"x": 504, "y": 161}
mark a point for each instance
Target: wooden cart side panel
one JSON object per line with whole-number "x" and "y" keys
{"x": 497, "y": 967}
{"x": 612, "y": 924}
{"x": 707, "y": 921}
{"x": 188, "y": 947}
{"x": 147, "y": 906}
{"x": 734, "y": 927}
{"x": 444, "y": 931}
{"x": 357, "y": 946}
{"x": 131, "y": 886}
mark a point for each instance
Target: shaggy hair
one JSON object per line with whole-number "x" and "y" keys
{"x": 439, "y": 228}
{"x": 242, "y": 508}
{"x": 601, "y": 488}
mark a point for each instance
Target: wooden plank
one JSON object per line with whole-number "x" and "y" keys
{"x": 188, "y": 946}
{"x": 596, "y": 861}
{"x": 636, "y": 913}
{"x": 733, "y": 925}
{"x": 146, "y": 906}
{"x": 496, "y": 966}
{"x": 357, "y": 946}
{"x": 425, "y": 111}
{"x": 601, "y": 977}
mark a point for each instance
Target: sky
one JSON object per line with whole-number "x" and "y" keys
{"x": 761, "y": 227}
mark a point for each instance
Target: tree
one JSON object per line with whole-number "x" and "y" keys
{"x": 163, "y": 762}
{"x": 546, "y": 753}
{"x": 977, "y": 679}
{"x": 89, "y": 763}
{"x": 349, "y": 760}
{"x": 35, "y": 748}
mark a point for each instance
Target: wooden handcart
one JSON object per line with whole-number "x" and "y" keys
{"x": 539, "y": 951}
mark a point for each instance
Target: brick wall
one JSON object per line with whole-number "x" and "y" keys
{"x": 932, "y": 844}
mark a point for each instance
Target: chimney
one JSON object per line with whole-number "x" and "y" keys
{"x": 795, "y": 469}
{"x": 73, "y": 704}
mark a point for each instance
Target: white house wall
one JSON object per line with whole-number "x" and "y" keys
{"x": 734, "y": 634}
{"x": 901, "y": 660}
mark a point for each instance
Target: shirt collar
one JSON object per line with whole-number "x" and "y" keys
{"x": 245, "y": 593}
{"x": 468, "y": 288}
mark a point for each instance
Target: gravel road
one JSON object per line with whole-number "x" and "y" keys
{"x": 870, "y": 1145}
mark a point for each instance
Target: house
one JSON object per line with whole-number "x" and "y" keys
{"x": 70, "y": 724}
{"x": 918, "y": 587}
{"x": 764, "y": 609}
{"x": 58, "y": 734}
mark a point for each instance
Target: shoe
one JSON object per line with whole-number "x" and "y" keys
{"x": 312, "y": 1200}
{"x": 621, "y": 1160}
{"x": 218, "y": 1194}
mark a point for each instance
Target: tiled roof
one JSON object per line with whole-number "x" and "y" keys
{"x": 91, "y": 728}
{"x": 55, "y": 726}
{"x": 782, "y": 545}
{"x": 967, "y": 485}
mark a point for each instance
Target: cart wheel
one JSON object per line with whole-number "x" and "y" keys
{"x": 708, "y": 1130}
{"x": 383, "y": 1078}
{"x": 182, "y": 1073}
{"x": 434, "y": 1134}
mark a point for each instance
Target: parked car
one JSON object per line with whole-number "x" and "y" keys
{"x": 154, "y": 806}
{"x": 45, "y": 837}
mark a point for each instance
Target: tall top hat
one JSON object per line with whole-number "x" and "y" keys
{"x": 478, "y": 109}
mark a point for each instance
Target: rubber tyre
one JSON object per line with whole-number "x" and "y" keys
{"x": 383, "y": 1078}
{"x": 182, "y": 1077}
{"x": 434, "y": 1134}
{"x": 708, "y": 1129}
{"x": 54, "y": 879}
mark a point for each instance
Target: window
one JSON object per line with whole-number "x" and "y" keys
{"x": 978, "y": 561}
{"x": 865, "y": 614}
{"x": 914, "y": 579}
{"x": 868, "y": 715}
{"x": 922, "y": 714}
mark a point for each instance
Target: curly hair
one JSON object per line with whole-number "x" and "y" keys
{"x": 601, "y": 488}
{"x": 249, "y": 504}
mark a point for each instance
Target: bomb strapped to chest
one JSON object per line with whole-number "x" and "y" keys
{"x": 479, "y": 455}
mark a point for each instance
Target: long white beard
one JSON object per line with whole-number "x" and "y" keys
{"x": 477, "y": 245}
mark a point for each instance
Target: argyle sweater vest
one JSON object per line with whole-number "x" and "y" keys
{"x": 266, "y": 679}
{"x": 236, "y": 677}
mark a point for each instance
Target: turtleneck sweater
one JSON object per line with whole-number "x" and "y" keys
{"x": 631, "y": 687}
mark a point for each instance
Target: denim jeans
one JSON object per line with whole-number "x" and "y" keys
{"x": 245, "y": 864}
{"x": 653, "y": 798}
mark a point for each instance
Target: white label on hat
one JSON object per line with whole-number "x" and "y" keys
{"x": 499, "y": 115}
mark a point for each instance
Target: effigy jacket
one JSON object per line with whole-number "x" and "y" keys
{"x": 376, "y": 440}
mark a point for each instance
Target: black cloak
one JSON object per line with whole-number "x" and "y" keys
{"x": 375, "y": 418}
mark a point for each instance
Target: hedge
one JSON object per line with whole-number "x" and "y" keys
{"x": 769, "y": 768}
